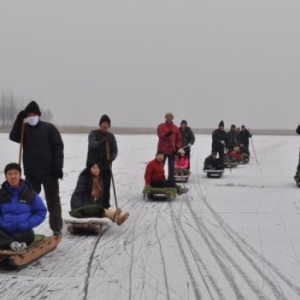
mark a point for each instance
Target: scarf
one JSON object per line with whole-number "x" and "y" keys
{"x": 96, "y": 189}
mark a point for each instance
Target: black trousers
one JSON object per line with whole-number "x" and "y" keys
{"x": 51, "y": 188}
{"x": 171, "y": 161}
{"x": 26, "y": 236}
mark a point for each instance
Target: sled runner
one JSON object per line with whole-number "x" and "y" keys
{"x": 181, "y": 178}
{"x": 96, "y": 225}
{"x": 160, "y": 193}
{"x": 41, "y": 246}
{"x": 214, "y": 173}
{"x": 230, "y": 165}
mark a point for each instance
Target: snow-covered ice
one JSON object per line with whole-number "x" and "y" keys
{"x": 236, "y": 237}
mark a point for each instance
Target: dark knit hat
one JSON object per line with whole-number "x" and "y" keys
{"x": 12, "y": 166}
{"x": 221, "y": 123}
{"x": 104, "y": 118}
{"x": 183, "y": 122}
{"x": 33, "y": 107}
{"x": 159, "y": 152}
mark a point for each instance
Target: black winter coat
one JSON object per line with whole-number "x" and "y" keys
{"x": 217, "y": 137}
{"x": 82, "y": 193}
{"x": 43, "y": 148}
{"x": 187, "y": 137}
{"x": 97, "y": 150}
{"x": 244, "y": 137}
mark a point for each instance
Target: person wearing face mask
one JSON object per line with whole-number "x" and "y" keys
{"x": 43, "y": 158}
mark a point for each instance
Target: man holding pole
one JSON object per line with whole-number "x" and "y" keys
{"x": 103, "y": 150}
{"x": 43, "y": 158}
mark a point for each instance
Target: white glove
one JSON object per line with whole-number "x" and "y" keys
{"x": 223, "y": 142}
{"x": 179, "y": 150}
{"x": 189, "y": 145}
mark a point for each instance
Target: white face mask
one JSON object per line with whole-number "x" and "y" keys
{"x": 33, "y": 120}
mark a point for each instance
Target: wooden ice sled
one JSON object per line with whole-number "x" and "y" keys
{"x": 214, "y": 173}
{"x": 152, "y": 193}
{"x": 41, "y": 246}
{"x": 96, "y": 225}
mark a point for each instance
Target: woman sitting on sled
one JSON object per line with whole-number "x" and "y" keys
{"x": 87, "y": 197}
{"x": 21, "y": 209}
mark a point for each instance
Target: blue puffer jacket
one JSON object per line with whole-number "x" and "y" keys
{"x": 20, "y": 208}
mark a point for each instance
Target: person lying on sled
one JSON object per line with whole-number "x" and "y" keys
{"x": 86, "y": 200}
{"x": 181, "y": 163}
{"x": 213, "y": 163}
{"x": 21, "y": 209}
{"x": 155, "y": 175}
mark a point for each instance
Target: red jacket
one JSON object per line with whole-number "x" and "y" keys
{"x": 154, "y": 171}
{"x": 167, "y": 144}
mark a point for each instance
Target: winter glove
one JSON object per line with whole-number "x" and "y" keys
{"x": 169, "y": 133}
{"x": 189, "y": 145}
{"x": 180, "y": 150}
{"x": 58, "y": 173}
{"x": 21, "y": 116}
{"x": 223, "y": 142}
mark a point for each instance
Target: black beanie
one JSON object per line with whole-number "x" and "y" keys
{"x": 33, "y": 107}
{"x": 221, "y": 123}
{"x": 104, "y": 118}
{"x": 183, "y": 122}
{"x": 12, "y": 166}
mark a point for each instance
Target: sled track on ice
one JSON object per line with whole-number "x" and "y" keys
{"x": 244, "y": 247}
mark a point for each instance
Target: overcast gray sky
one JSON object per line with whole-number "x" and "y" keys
{"x": 134, "y": 60}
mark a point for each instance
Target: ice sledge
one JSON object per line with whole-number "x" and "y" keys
{"x": 96, "y": 225}
{"x": 42, "y": 245}
{"x": 152, "y": 193}
{"x": 214, "y": 173}
{"x": 182, "y": 177}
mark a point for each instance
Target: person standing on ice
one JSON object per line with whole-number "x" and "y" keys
{"x": 219, "y": 141}
{"x": 244, "y": 140}
{"x": 21, "y": 209}
{"x": 169, "y": 141}
{"x": 187, "y": 139}
{"x": 86, "y": 200}
{"x": 232, "y": 138}
{"x": 43, "y": 158}
{"x": 155, "y": 174}
{"x": 103, "y": 149}
{"x": 297, "y": 176}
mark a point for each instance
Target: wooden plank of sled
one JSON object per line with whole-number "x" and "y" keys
{"x": 88, "y": 224}
{"x": 214, "y": 173}
{"x": 170, "y": 193}
{"x": 183, "y": 178}
{"x": 41, "y": 246}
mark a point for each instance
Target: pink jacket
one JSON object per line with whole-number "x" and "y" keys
{"x": 181, "y": 162}
{"x": 167, "y": 144}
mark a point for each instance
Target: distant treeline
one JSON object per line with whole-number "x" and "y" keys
{"x": 10, "y": 106}
{"x": 142, "y": 130}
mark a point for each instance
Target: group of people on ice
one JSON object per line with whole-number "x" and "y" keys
{"x": 21, "y": 207}
{"x": 174, "y": 145}
{"x": 228, "y": 147}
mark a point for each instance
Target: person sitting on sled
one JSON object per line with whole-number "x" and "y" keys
{"x": 155, "y": 175}
{"x": 234, "y": 155}
{"x": 181, "y": 163}
{"x": 87, "y": 198}
{"x": 21, "y": 209}
{"x": 213, "y": 163}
